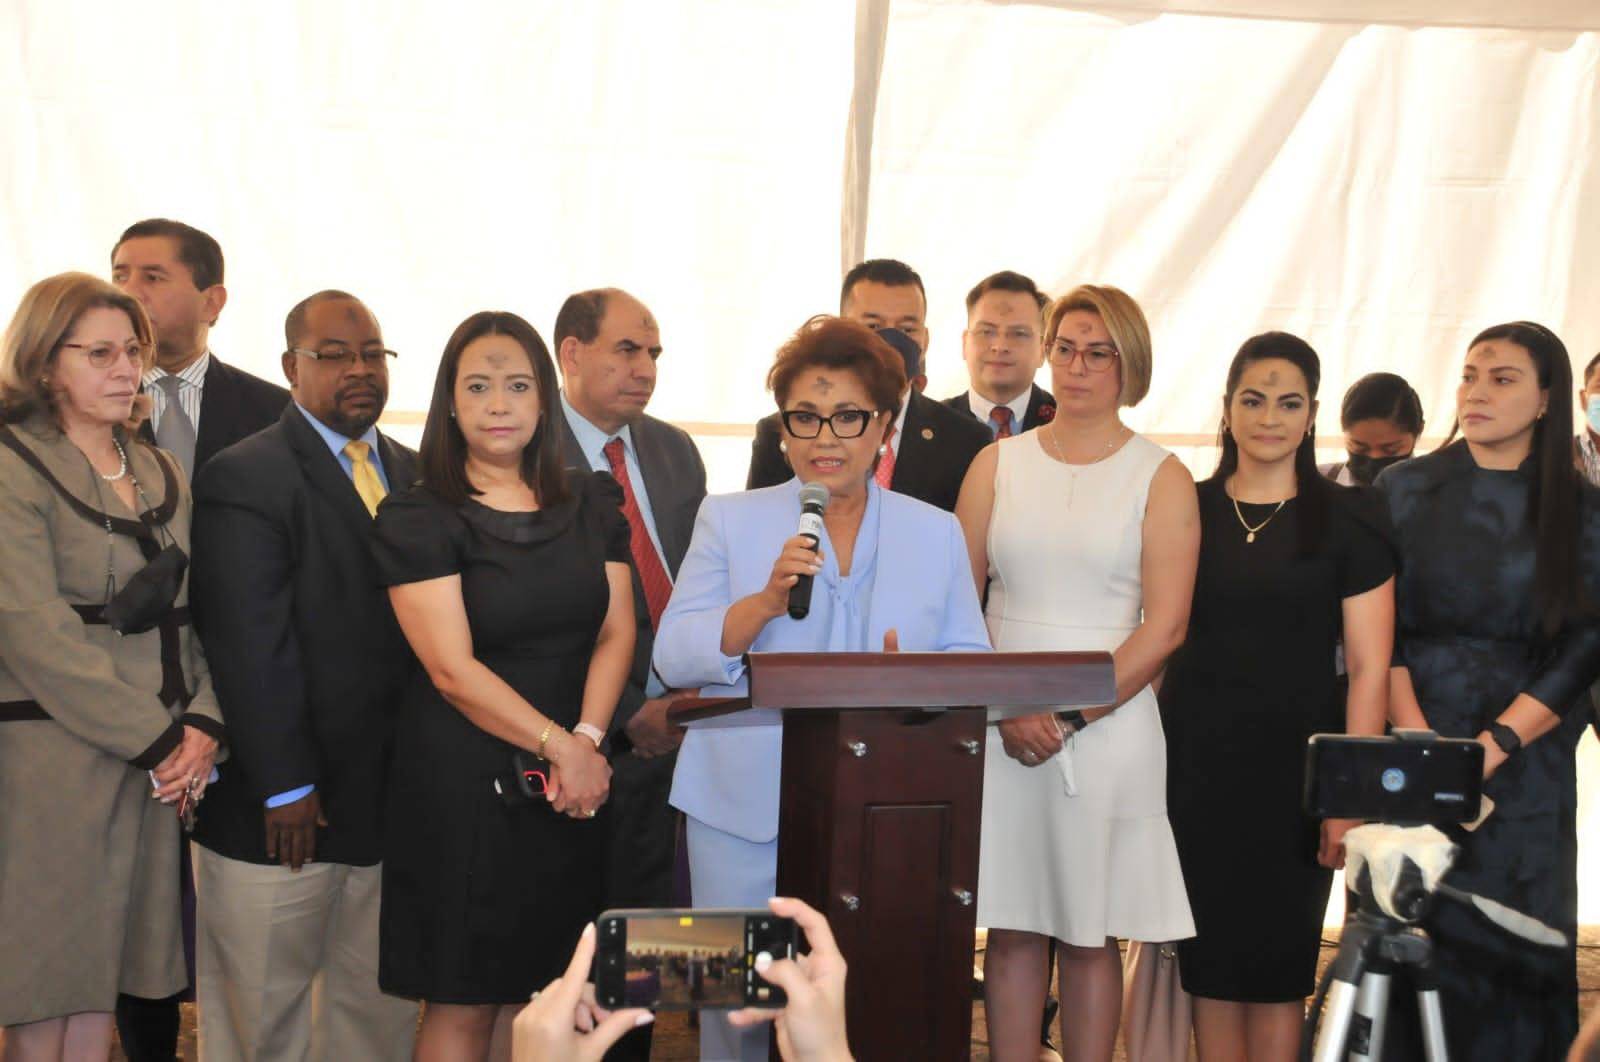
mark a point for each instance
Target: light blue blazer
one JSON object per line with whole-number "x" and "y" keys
{"x": 909, "y": 572}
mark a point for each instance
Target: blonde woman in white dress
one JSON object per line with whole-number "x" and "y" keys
{"x": 1086, "y": 535}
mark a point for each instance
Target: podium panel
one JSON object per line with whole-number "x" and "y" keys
{"x": 881, "y": 804}
{"x": 879, "y": 825}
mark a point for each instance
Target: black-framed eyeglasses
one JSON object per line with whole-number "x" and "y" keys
{"x": 1097, "y": 357}
{"x": 344, "y": 355}
{"x": 105, "y": 355}
{"x": 845, "y": 424}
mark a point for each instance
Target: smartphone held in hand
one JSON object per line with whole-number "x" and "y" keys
{"x": 685, "y": 959}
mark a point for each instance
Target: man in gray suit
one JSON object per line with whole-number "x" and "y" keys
{"x": 608, "y": 343}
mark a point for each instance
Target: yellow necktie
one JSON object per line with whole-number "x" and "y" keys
{"x": 368, "y": 485}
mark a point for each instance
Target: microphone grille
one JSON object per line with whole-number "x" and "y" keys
{"x": 814, "y": 494}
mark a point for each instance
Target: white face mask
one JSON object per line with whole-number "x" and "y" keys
{"x": 1592, "y": 410}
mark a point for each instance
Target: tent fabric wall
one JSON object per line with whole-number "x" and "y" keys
{"x": 1384, "y": 177}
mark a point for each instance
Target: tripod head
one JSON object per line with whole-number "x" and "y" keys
{"x": 1397, "y": 869}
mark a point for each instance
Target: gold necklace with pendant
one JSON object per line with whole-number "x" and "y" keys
{"x": 1250, "y": 532}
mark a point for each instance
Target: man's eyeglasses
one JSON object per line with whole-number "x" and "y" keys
{"x": 105, "y": 355}
{"x": 344, "y": 355}
{"x": 1097, "y": 357}
{"x": 845, "y": 424}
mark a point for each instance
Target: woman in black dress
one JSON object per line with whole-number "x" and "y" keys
{"x": 1288, "y": 561}
{"x": 1497, "y": 640}
{"x": 511, "y": 584}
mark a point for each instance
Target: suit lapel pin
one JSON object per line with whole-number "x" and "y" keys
{"x": 927, "y": 433}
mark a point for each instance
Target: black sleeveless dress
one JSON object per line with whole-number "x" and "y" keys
{"x": 483, "y": 903}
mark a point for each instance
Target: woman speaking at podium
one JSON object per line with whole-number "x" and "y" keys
{"x": 888, "y": 572}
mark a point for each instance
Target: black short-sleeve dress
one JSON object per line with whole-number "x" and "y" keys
{"x": 1254, "y": 679}
{"x": 483, "y": 903}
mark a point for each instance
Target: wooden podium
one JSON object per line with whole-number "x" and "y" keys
{"x": 879, "y": 815}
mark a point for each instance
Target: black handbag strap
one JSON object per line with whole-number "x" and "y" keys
{"x": 140, "y": 528}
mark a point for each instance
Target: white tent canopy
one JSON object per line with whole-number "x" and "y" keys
{"x": 1384, "y": 177}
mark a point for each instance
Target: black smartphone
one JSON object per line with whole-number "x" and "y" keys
{"x": 523, "y": 780}
{"x": 1411, "y": 777}
{"x": 689, "y": 959}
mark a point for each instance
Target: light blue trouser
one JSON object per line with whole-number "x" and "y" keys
{"x": 728, "y": 871}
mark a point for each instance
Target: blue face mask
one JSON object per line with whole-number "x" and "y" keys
{"x": 1593, "y": 412}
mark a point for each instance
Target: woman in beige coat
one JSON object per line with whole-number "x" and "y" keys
{"x": 103, "y": 736}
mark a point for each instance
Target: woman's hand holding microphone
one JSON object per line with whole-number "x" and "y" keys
{"x": 800, "y": 556}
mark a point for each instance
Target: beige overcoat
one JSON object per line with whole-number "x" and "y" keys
{"x": 89, "y": 899}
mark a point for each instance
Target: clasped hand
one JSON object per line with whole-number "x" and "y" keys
{"x": 580, "y": 781}
{"x": 186, "y": 767}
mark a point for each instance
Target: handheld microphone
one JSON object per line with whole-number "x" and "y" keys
{"x": 813, "y": 499}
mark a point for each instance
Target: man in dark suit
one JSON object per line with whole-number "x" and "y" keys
{"x": 1004, "y": 349}
{"x": 199, "y": 405}
{"x": 608, "y": 343}
{"x": 308, "y": 664}
{"x": 931, "y": 444}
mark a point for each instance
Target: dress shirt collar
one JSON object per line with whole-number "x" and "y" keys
{"x": 591, "y": 440}
{"x": 982, "y": 407}
{"x": 337, "y": 442}
{"x": 194, "y": 375}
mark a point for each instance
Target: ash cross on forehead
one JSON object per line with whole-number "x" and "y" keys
{"x": 1272, "y": 378}
{"x": 824, "y": 384}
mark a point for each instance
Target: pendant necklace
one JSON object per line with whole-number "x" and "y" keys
{"x": 1073, "y": 470}
{"x": 1250, "y": 532}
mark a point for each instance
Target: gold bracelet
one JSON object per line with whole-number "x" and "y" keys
{"x": 544, "y": 736}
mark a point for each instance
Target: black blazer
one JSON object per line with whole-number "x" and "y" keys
{"x": 931, "y": 459}
{"x": 1038, "y": 398}
{"x": 675, "y": 481}
{"x": 233, "y": 405}
{"x": 304, "y": 651}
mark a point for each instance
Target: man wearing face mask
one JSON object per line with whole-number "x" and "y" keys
{"x": 930, "y": 445}
{"x": 1585, "y": 451}
{"x": 1382, "y": 419}
{"x": 311, "y": 664}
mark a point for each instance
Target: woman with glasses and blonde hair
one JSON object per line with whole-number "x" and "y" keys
{"x": 891, "y": 572}
{"x": 105, "y": 700}
{"x": 1086, "y": 534}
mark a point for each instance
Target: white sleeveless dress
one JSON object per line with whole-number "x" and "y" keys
{"x": 1079, "y": 847}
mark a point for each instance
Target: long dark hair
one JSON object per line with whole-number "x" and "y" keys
{"x": 1312, "y": 488}
{"x": 443, "y": 457}
{"x": 1553, "y": 499}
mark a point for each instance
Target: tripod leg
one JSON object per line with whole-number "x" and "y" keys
{"x": 1433, "y": 1044}
{"x": 1335, "y": 1028}
{"x": 1372, "y": 1007}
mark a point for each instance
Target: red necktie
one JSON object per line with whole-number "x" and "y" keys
{"x": 1000, "y": 417}
{"x": 652, "y": 574}
{"x": 885, "y": 473}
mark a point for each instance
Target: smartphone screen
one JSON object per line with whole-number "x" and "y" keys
{"x": 1388, "y": 780}
{"x": 688, "y": 959}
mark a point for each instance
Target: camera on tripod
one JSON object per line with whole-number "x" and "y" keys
{"x": 1405, "y": 786}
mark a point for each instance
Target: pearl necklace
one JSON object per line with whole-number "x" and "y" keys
{"x": 123, "y": 471}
